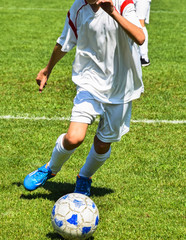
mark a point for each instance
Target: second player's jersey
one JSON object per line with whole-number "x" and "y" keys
{"x": 107, "y": 62}
{"x": 141, "y": 1}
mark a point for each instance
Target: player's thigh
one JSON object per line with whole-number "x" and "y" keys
{"x": 84, "y": 112}
{"x": 115, "y": 122}
{"x": 86, "y": 108}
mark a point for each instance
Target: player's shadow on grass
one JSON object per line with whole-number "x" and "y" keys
{"x": 59, "y": 189}
{"x": 56, "y": 236}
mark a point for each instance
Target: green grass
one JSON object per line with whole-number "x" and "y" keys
{"x": 140, "y": 191}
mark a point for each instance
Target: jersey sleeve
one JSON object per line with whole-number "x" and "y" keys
{"x": 127, "y": 10}
{"x": 68, "y": 38}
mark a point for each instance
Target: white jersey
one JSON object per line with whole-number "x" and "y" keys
{"x": 143, "y": 9}
{"x": 141, "y": 1}
{"x": 107, "y": 62}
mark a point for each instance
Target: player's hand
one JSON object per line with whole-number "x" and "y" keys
{"x": 106, "y": 5}
{"x": 42, "y": 78}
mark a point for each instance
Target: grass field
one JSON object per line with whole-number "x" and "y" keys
{"x": 140, "y": 191}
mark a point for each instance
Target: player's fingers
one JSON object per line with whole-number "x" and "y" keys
{"x": 38, "y": 81}
{"x": 42, "y": 85}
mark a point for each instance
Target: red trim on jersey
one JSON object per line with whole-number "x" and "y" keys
{"x": 78, "y": 12}
{"x": 124, "y": 4}
{"x": 72, "y": 25}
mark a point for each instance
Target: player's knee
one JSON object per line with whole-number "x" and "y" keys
{"x": 101, "y": 147}
{"x": 72, "y": 141}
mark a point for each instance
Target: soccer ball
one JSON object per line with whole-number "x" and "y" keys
{"x": 75, "y": 216}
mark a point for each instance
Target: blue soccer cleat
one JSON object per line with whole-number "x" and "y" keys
{"x": 38, "y": 178}
{"x": 83, "y": 185}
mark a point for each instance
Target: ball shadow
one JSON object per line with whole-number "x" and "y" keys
{"x": 56, "y": 236}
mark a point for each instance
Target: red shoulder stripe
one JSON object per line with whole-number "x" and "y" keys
{"x": 124, "y": 4}
{"x": 79, "y": 10}
{"x": 72, "y": 25}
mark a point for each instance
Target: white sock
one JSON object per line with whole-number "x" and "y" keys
{"x": 59, "y": 155}
{"x": 144, "y": 46}
{"x": 93, "y": 162}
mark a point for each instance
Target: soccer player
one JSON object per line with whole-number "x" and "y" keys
{"x": 108, "y": 76}
{"x": 143, "y": 13}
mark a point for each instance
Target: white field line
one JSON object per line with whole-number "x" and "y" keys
{"x": 166, "y": 12}
{"x": 9, "y": 117}
{"x": 65, "y": 10}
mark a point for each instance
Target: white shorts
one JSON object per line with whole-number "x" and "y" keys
{"x": 114, "y": 118}
{"x": 143, "y": 10}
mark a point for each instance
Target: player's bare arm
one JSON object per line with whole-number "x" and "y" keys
{"x": 134, "y": 32}
{"x": 44, "y": 74}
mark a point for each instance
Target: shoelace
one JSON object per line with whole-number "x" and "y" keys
{"x": 40, "y": 173}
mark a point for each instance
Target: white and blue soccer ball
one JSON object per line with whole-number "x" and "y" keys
{"x": 75, "y": 216}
